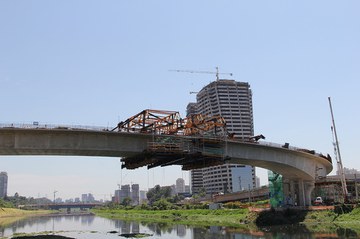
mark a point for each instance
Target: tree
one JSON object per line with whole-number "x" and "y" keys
{"x": 157, "y": 193}
{"x": 126, "y": 201}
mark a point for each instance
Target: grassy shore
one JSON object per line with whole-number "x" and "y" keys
{"x": 10, "y": 215}
{"x": 199, "y": 217}
{"x": 315, "y": 221}
{"x": 13, "y": 212}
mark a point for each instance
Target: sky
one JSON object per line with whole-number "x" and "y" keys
{"x": 96, "y": 63}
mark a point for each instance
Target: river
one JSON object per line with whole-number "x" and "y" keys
{"x": 94, "y": 227}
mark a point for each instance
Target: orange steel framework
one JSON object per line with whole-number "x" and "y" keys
{"x": 194, "y": 152}
{"x": 170, "y": 123}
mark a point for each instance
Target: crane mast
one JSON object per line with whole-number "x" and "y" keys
{"x": 337, "y": 154}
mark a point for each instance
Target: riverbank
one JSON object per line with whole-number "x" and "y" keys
{"x": 13, "y": 212}
{"x": 11, "y": 215}
{"x": 196, "y": 217}
{"x": 315, "y": 221}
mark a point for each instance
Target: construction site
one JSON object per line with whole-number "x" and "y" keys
{"x": 203, "y": 147}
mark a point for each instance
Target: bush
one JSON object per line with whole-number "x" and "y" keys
{"x": 343, "y": 209}
{"x": 234, "y": 205}
{"x": 5, "y": 204}
{"x": 162, "y": 204}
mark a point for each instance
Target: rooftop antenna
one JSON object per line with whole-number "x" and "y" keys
{"x": 337, "y": 154}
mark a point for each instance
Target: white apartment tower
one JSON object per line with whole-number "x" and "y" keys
{"x": 180, "y": 185}
{"x": 233, "y": 101}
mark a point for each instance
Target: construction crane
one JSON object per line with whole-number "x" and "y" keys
{"x": 217, "y": 73}
{"x": 338, "y": 155}
{"x": 55, "y": 195}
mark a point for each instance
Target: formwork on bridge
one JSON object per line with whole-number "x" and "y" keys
{"x": 193, "y": 142}
{"x": 190, "y": 152}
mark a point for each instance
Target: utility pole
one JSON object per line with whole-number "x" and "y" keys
{"x": 338, "y": 155}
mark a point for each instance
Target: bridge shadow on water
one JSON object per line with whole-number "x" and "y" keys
{"x": 291, "y": 220}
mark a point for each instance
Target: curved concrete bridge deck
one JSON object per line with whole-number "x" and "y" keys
{"x": 300, "y": 167}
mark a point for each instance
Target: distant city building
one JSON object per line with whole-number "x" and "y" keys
{"x": 241, "y": 178}
{"x": 227, "y": 178}
{"x": 233, "y": 101}
{"x": 257, "y": 180}
{"x": 135, "y": 194}
{"x": 180, "y": 185}
{"x": 3, "y": 184}
{"x": 116, "y": 197}
{"x": 143, "y": 197}
{"x": 87, "y": 198}
{"x": 187, "y": 188}
{"x": 349, "y": 171}
{"x": 196, "y": 180}
{"x": 173, "y": 190}
{"x": 58, "y": 200}
{"x": 126, "y": 191}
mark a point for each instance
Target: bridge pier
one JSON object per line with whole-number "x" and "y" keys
{"x": 291, "y": 192}
{"x": 298, "y": 192}
{"x": 309, "y": 187}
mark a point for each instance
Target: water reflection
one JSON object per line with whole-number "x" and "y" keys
{"x": 95, "y": 227}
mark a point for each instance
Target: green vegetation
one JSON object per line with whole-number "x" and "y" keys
{"x": 341, "y": 220}
{"x": 13, "y": 212}
{"x": 17, "y": 200}
{"x": 201, "y": 217}
{"x": 5, "y": 204}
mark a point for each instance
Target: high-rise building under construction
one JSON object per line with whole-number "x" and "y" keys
{"x": 233, "y": 101}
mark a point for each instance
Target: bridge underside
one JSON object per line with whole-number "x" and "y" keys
{"x": 189, "y": 153}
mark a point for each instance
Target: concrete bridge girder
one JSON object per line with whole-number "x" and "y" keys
{"x": 294, "y": 165}
{"x": 289, "y": 163}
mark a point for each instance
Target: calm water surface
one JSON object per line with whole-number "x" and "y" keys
{"x": 89, "y": 227}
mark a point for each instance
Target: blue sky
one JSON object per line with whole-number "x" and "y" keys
{"x": 99, "y": 62}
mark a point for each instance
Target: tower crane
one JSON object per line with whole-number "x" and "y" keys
{"x": 217, "y": 73}
{"x": 338, "y": 155}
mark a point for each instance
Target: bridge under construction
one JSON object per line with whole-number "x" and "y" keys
{"x": 203, "y": 146}
{"x": 161, "y": 138}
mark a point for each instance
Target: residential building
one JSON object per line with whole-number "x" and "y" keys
{"x": 233, "y": 101}
{"x": 86, "y": 198}
{"x": 180, "y": 185}
{"x": 3, "y": 184}
{"x": 124, "y": 192}
{"x": 135, "y": 194}
{"x": 127, "y": 191}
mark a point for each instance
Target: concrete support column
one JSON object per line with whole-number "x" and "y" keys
{"x": 302, "y": 198}
{"x": 309, "y": 187}
{"x": 289, "y": 192}
{"x": 292, "y": 192}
